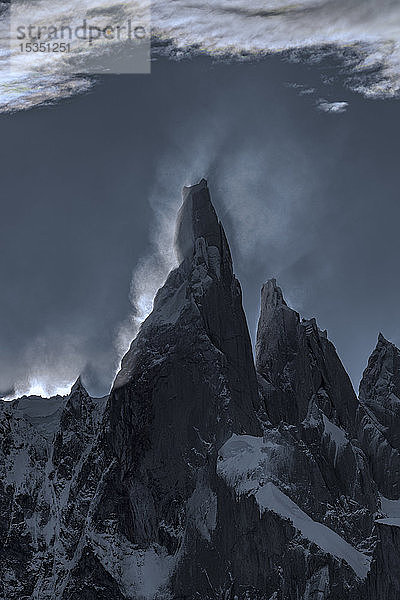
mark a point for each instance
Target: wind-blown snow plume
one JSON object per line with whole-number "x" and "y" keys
{"x": 151, "y": 270}
{"x": 363, "y": 33}
{"x": 193, "y": 163}
{"x": 48, "y": 374}
{"x": 272, "y": 193}
{"x": 267, "y": 213}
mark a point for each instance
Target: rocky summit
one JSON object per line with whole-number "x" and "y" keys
{"x": 206, "y": 474}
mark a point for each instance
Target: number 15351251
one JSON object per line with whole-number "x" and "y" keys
{"x": 45, "y": 47}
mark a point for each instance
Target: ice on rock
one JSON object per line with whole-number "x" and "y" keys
{"x": 141, "y": 573}
{"x": 391, "y": 508}
{"x": 242, "y": 463}
{"x": 202, "y": 507}
{"x": 391, "y": 522}
{"x": 336, "y": 435}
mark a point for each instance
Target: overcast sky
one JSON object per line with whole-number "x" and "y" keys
{"x": 91, "y": 185}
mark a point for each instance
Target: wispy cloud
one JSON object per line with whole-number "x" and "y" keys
{"x": 365, "y": 35}
{"x": 332, "y": 107}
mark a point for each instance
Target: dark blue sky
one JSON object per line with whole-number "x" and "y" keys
{"x": 309, "y": 197}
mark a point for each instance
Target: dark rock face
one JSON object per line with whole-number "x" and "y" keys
{"x": 186, "y": 384}
{"x": 308, "y": 394}
{"x": 90, "y": 581}
{"x": 191, "y": 361}
{"x": 46, "y": 490}
{"x": 379, "y": 416}
{"x": 201, "y": 476}
{"x": 77, "y": 428}
{"x": 384, "y": 580}
{"x": 297, "y": 362}
{"x": 23, "y": 455}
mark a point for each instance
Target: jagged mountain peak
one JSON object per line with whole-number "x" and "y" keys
{"x": 382, "y": 371}
{"x": 382, "y": 341}
{"x": 197, "y": 327}
{"x": 78, "y": 390}
{"x": 379, "y": 416}
{"x": 200, "y": 479}
{"x": 272, "y": 299}
{"x": 271, "y": 294}
{"x": 197, "y": 218}
{"x": 383, "y": 366}
{"x": 189, "y": 189}
{"x": 78, "y": 386}
{"x": 202, "y": 283}
{"x": 295, "y": 360}
{"x": 78, "y": 406}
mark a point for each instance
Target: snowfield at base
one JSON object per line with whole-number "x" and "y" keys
{"x": 242, "y": 463}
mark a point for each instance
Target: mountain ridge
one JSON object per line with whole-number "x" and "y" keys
{"x": 206, "y": 473}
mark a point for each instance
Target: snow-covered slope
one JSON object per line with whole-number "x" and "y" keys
{"x": 246, "y": 461}
{"x": 44, "y": 443}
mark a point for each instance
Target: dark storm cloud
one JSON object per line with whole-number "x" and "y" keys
{"x": 90, "y": 188}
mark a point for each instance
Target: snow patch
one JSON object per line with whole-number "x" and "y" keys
{"x": 21, "y": 466}
{"x": 203, "y": 509}
{"x": 391, "y": 508}
{"x": 391, "y": 522}
{"x": 245, "y": 460}
{"x": 243, "y": 465}
{"x": 269, "y": 497}
{"x": 336, "y": 435}
{"x": 169, "y": 312}
{"x": 141, "y": 573}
